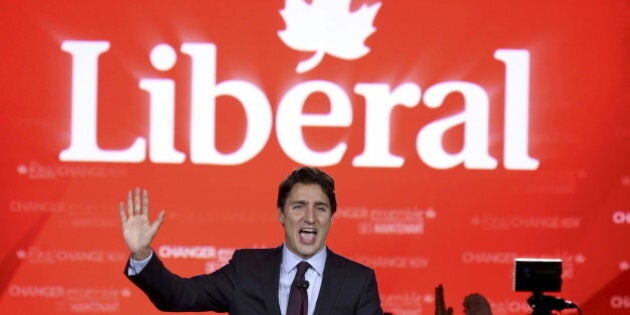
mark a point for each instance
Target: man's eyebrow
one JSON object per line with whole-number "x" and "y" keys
{"x": 316, "y": 203}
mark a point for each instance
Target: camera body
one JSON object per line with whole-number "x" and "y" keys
{"x": 537, "y": 275}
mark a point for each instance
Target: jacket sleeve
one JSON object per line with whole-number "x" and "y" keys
{"x": 169, "y": 292}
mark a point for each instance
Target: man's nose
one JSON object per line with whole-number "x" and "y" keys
{"x": 309, "y": 216}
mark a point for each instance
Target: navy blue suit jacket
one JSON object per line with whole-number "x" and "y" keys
{"x": 249, "y": 283}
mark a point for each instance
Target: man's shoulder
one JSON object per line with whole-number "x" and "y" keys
{"x": 346, "y": 263}
{"x": 255, "y": 254}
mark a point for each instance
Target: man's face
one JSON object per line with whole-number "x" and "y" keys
{"x": 306, "y": 217}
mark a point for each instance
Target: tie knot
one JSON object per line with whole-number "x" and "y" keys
{"x": 302, "y": 267}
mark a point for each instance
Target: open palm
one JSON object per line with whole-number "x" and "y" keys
{"x": 138, "y": 230}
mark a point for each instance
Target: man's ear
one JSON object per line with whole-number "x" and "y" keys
{"x": 281, "y": 216}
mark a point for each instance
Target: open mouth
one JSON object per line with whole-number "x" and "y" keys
{"x": 307, "y": 235}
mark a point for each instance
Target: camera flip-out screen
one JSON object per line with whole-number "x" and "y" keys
{"x": 537, "y": 275}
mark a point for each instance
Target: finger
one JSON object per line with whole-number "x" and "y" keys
{"x": 145, "y": 202}
{"x": 121, "y": 211}
{"x": 440, "y": 304}
{"x": 136, "y": 201}
{"x": 130, "y": 203}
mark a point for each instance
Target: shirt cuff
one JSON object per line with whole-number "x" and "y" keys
{"x": 136, "y": 266}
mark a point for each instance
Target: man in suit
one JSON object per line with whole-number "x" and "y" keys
{"x": 261, "y": 281}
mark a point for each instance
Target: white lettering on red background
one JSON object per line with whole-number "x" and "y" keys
{"x": 380, "y": 100}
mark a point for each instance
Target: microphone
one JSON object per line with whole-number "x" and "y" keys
{"x": 302, "y": 284}
{"x": 550, "y": 303}
{"x": 560, "y": 304}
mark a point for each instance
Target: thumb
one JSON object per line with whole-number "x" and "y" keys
{"x": 158, "y": 221}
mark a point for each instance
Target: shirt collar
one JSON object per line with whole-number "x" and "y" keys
{"x": 290, "y": 260}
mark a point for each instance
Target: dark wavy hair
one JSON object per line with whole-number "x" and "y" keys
{"x": 308, "y": 175}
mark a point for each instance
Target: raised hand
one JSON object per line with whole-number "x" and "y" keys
{"x": 440, "y": 305}
{"x": 137, "y": 229}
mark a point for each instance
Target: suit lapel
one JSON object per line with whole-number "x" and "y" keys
{"x": 271, "y": 275}
{"x": 331, "y": 283}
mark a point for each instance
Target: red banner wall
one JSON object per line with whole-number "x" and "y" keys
{"x": 461, "y": 134}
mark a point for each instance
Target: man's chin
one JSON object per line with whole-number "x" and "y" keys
{"x": 307, "y": 251}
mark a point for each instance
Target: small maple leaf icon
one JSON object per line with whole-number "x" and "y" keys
{"x": 327, "y": 26}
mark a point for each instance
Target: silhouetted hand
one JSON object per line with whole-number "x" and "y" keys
{"x": 137, "y": 230}
{"x": 440, "y": 305}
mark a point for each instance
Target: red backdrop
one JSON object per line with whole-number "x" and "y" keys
{"x": 489, "y": 130}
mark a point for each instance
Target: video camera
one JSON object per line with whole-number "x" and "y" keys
{"x": 538, "y": 275}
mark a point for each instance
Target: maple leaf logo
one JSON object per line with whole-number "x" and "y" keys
{"x": 327, "y": 26}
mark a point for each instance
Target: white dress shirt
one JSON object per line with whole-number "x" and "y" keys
{"x": 313, "y": 275}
